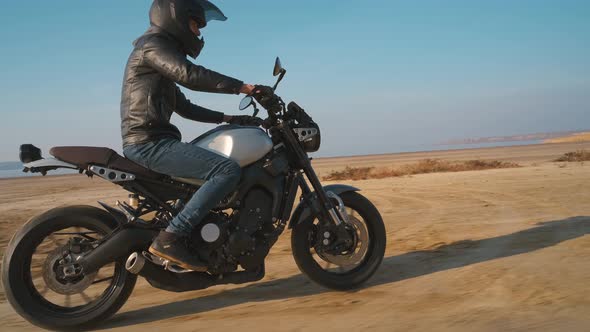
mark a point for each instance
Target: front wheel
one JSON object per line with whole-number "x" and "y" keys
{"x": 341, "y": 267}
{"x": 44, "y": 284}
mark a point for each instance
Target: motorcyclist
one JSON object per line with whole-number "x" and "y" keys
{"x": 150, "y": 96}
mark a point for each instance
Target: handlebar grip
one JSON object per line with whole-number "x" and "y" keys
{"x": 271, "y": 103}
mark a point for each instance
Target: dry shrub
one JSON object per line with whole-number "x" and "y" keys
{"x": 580, "y": 155}
{"x": 421, "y": 167}
{"x": 356, "y": 173}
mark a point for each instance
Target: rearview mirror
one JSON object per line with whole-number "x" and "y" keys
{"x": 278, "y": 67}
{"x": 278, "y": 71}
{"x": 246, "y": 102}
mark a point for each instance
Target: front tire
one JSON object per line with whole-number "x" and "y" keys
{"x": 303, "y": 242}
{"x": 21, "y": 272}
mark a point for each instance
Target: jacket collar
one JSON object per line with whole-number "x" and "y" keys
{"x": 156, "y": 30}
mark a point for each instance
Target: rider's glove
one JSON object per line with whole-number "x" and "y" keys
{"x": 266, "y": 97}
{"x": 262, "y": 92}
{"x": 245, "y": 120}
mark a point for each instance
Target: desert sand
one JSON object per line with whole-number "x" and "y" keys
{"x": 573, "y": 138}
{"x": 494, "y": 250}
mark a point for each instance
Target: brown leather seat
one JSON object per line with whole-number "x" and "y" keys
{"x": 82, "y": 156}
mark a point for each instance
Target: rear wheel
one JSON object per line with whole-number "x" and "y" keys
{"x": 42, "y": 281}
{"x": 347, "y": 266}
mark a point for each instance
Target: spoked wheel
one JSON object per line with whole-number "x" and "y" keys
{"x": 46, "y": 286}
{"x": 58, "y": 281}
{"x": 346, "y": 258}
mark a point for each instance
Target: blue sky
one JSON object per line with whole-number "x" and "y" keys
{"x": 378, "y": 76}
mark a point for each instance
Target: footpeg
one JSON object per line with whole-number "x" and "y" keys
{"x": 166, "y": 264}
{"x": 154, "y": 259}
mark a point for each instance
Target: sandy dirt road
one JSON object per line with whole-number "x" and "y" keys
{"x": 492, "y": 250}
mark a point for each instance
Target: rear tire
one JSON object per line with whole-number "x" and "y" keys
{"x": 18, "y": 280}
{"x": 302, "y": 246}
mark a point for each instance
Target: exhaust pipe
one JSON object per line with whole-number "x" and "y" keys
{"x": 160, "y": 278}
{"x": 117, "y": 247}
{"x": 135, "y": 263}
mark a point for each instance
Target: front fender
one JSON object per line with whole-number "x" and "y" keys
{"x": 303, "y": 210}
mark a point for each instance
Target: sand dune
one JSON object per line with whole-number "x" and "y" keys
{"x": 491, "y": 250}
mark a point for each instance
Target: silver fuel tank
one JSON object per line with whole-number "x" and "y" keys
{"x": 244, "y": 145}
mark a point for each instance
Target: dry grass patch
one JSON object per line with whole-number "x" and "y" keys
{"x": 580, "y": 155}
{"x": 421, "y": 167}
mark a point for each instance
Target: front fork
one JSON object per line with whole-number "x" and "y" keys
{"x": 322, "y": 203}
{"x": 338, "y": 213}
{"x": 328, "y": 210}
{"x": 334, "y": 233}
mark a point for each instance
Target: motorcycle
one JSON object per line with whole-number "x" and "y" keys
{"x": 73, "y": 267}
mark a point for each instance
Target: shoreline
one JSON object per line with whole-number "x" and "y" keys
{"x": 28, "y": 177}
{"x": 451, "y": 150}
{"x": 430, "y": 151}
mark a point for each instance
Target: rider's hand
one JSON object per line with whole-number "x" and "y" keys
{"x": 244, "y": 120}
{"x": 263, "y": 91}
{"x": 266, "y": 97}
{"x": 247, "y": 89}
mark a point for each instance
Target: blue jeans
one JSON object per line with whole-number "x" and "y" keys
{"x": 171, "y": 157}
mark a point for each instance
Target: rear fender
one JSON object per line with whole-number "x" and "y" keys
{"x": 80, "y": 211}
{"x": 48, "y": 164}
{"x": 304, "y": 209}
{"x": 118, "y": 215}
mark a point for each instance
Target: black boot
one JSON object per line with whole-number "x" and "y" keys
{"x": 174, "y": 248}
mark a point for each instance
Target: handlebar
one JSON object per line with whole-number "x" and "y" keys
{"x": 272, "y": 103}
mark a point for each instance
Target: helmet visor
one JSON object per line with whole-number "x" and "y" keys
{"x": 211, "y": 11}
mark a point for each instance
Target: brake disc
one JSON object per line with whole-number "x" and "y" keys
{"x": 63, "y": 278}
{"x": 355, "y": 256}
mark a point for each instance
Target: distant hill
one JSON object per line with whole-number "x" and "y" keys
{"x": 10, "y": 165}
{"x": 513, "y": 138}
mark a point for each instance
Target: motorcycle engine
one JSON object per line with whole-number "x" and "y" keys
{"x": 247, "y": 242}
{"x": 209, "y": 238}
{"x": 225, "y": 242}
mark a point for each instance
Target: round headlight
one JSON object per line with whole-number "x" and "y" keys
{"x": 313, "y": 144}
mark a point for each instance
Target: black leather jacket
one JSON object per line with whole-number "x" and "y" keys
{"x": 150, "y": 94}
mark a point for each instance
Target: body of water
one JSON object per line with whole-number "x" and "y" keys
{"x": 12, "y": 173}
{"x": 17, "y": 173}
{"x": 484, "y": 145}
{"x": 439, "y": 147}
